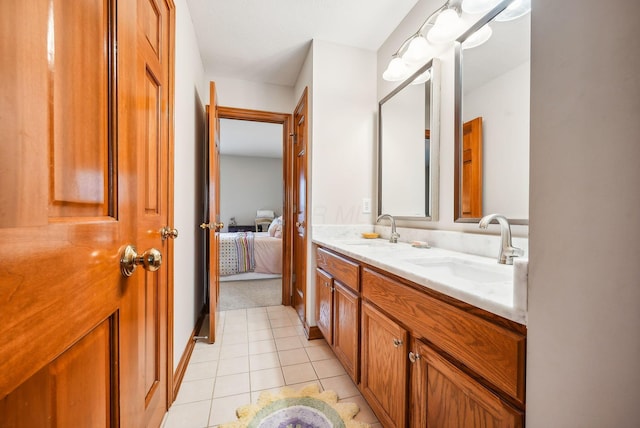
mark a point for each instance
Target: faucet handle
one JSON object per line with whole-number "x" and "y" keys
{"x": 514, "y": 252}
{"x": 393, "y": 238}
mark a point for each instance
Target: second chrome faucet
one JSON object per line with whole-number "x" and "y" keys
{"x": 393, "y": 238}
{"x": 507, "y": 251}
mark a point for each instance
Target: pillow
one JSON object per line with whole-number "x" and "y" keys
{"x": 278, "y": 232}
{"x": 276, "y": 225}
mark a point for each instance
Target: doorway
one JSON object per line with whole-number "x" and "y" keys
{"x": 253, "y": 198}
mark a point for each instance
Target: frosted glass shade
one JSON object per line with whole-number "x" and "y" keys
{"x": 422, "y": 78}
{"x": 478, "y": 6}
{"x": 418, "y": 52}
{"x": 446, "y": 27}
{"x": 515, "y": 10}
{"x": 396, "y": 70}
{"x": 478, "y": 38}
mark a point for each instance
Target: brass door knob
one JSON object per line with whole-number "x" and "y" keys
{"x": 150, "y": 260}
{"x": 167, "y": 232}
{"x": 216, "y": 226}
{"x": 300, "y": 224}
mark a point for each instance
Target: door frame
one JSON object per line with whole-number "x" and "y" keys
{"x": 285, "y": 120}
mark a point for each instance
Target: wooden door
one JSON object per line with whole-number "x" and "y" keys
{"x": 324, "y": 304}
{"x": 346, "y": 320}
{"x": 72, "y": 326}
{"x": 213, "y": 224}
{"x": 299, "y": 276}
{"x": 471, "y": 192}
{"x": 154, "y": 87}
{"x": 445, "y": 397}
{"x": 384, "y": 367}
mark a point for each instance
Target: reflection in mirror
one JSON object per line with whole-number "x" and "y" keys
{"x": 408, "y": 147}
{"x": 492, "y": 124}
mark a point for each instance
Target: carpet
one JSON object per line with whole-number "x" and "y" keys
{"x": 307, "y": 408}
{"x": 250, "y": 294}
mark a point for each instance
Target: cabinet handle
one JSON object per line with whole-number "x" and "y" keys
{"x": 397, "y": 343}
{"x": 413, "y": 357}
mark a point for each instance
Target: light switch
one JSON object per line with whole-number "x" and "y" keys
{"x": 366, "y": 205}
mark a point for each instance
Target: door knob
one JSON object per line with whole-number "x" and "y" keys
{"x": 150, "y": 260}
{"x": 299, "y": 223}
{"x": 413, "y": 357}
{"x": 215, "y": 226}
{"x": 167, "y": 232}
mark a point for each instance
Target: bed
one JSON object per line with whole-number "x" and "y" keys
{"x": 250, "y": 252}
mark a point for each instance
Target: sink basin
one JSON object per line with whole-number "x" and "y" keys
{"x": 370, "y": 243}
{"x": 465, "y": 269}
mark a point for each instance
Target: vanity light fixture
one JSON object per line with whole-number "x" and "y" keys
{"x": 478, "y": 38}
{"x": 478, "y": 6}
{"x": 441, "y": 27}
{"x": 515, "y": 10}
{"x": 424, "y": 77}
{"x": 396, "y": 70}
{"x": 446, "y": 27}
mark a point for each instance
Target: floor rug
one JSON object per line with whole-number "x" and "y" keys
{"x": 306, "y": 408}
{"x": 250, "y": 294}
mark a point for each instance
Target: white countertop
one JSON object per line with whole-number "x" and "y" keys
{"x": 479, "y": 281}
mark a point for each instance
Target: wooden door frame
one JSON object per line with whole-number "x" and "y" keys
{"x": 285, "y": 119}
{"x": 171, "y": 7}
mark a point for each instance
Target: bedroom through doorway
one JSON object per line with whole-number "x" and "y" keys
{"x": 252, "y": 203}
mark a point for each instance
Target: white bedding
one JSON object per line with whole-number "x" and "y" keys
{"x": 268, "y": 253}
{"x": 265, "y": 254}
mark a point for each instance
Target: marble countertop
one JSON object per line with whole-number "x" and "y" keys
{"x": 479, "y": 281}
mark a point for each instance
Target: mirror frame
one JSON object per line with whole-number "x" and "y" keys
{"x": 434, "y": 138}
{"x": 458, "y": 121}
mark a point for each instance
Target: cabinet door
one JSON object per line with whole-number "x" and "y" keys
{"x": 442, "y": 396}
{"x": 384, "y": 366}
{"x": 346, "y": 325}
{"x": 324, "y": 304}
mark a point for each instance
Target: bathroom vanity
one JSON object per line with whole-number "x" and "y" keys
{"x": 424, "y": 346}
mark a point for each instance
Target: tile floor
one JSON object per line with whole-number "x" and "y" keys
{"x": 258, "y": 349}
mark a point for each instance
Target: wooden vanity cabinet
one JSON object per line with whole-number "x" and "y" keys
{"x": 425, "y": 360}
{"x": 444, "y": 396}
{"x": 324, "y": 304}
{"x": 384, "y": 367}
{"x": 338, "y": 307}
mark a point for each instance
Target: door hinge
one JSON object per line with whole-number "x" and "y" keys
{"x": 294, "y": 138}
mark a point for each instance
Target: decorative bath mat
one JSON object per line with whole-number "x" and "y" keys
{"x": 307, "y": 408}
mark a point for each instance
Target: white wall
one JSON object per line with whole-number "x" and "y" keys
{"x": 583, "y": 352}
{"x": 190, "y": 95}
{"x": 248, "y": 184}
{"x": 252, "y": 95}
{"x": 344, "y": 129}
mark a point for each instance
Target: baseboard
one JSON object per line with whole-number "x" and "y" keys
{"x": 312, "y": 332}
{"x": 186, "y": 356}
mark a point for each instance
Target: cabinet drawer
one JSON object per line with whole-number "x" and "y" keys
{"x": 345, "y": 271}
{"x": 491, "y": 351}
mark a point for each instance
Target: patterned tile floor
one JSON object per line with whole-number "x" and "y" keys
{"x": 259, "y": 349}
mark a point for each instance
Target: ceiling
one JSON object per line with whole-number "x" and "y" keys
{"x": 267, "y": 40}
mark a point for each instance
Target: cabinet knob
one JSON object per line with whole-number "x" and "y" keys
{"x": 413, "y": 357}
{"x": 397, "y": 343}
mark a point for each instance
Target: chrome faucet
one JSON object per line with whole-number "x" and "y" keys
{"x": 507, "y": 251}
{"x": 394, "y": 235}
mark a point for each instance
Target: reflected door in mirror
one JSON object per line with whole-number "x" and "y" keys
{"x": 472, "y": 168}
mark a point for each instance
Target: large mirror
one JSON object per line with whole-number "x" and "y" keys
{"x": 408, "y": 142}
{"x": 492, "y": 122}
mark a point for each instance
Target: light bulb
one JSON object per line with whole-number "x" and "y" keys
{"x": 515, "y": 10}
{"x": 422, "y": 78}
{"x": 396, "y": 70}
{"x": 478, "y": 38}
{"x": 478, "y": 6}
{"x": 446, "y": 27}
{"x": 418, "y": 52}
